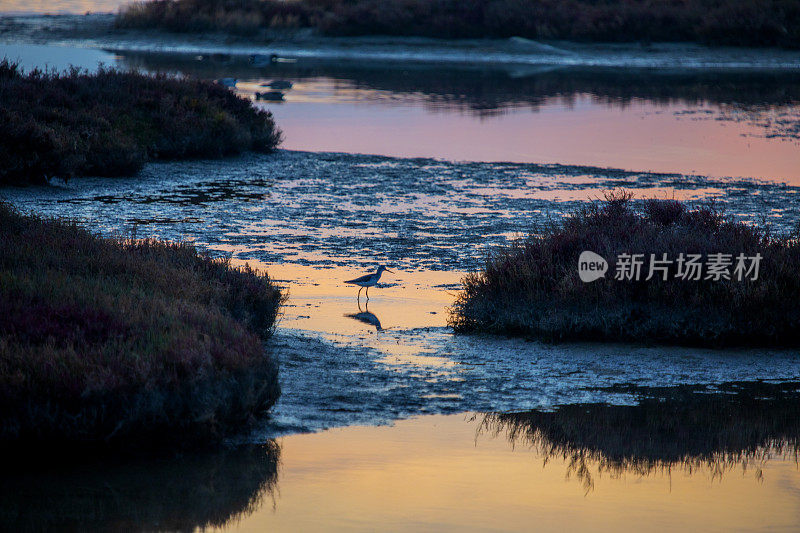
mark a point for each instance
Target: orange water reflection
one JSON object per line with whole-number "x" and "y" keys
{"x": 433, "y": 473}
{"x": 319, "y": 300}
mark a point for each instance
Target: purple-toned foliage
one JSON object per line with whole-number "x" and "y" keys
{"x": 532, "y": 288}
{"x": 119, "y": 341}
{"x": 110, "y": 123}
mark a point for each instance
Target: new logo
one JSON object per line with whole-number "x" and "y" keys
{"x": 591, "y": 266}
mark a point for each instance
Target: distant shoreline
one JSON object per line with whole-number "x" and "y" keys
{"x": 710, "y": 22}
{"x": 98, "y": 31}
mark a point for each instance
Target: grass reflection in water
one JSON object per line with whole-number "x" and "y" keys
{"x": 695, "y": 428}
{"x": 181, "y": 494}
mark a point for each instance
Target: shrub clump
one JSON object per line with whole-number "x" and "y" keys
{"x": 719, "y": 22}
{"x": 533, "y": 288}
{"x": 121, "y": 343}
{"x": 110, "y": 123}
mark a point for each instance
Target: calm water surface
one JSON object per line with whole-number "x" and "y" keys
{"x": 463, "y": 472}
{"x": 452, "y": 473}
{"x": 740, "y": 124}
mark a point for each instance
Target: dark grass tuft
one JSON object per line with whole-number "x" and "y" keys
{"x": 110, "y": 123}
{"x": 719, "y": 22}
{"x": 127, "y": 343}
{"x": 533, "y": 289}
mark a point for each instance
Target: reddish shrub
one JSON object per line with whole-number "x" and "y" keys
{"x": 114, "y": 342}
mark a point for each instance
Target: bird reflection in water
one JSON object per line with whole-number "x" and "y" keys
{"x": 365, "y": 316}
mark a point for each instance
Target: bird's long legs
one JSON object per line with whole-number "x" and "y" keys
{"x": 358, "y": 298}
{"x": 367, "y": 293}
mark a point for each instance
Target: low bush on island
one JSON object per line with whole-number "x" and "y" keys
{"x": 110, "y": 123}
{"x": 120, "y": 343}
{"x": 718, "y": 22}
{"x": 693, "y": 295}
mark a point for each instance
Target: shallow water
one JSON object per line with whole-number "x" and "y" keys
{"x": 444, "y": 473}
{"x": 51, "y": 57}
{"x": 333, "y": 209}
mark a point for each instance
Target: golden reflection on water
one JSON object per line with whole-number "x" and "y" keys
{"x": 319, "y": 300}
{"x": 461, "y": 472}
{"x": 439, "y": 473}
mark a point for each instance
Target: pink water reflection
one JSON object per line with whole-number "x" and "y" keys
{"x": 61, "y": 6}
{"x": 642, "y": 136}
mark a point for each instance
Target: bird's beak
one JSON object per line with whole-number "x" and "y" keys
{"x": 387, "y": 270}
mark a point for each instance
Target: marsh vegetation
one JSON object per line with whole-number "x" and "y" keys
{"x": 131, "y": 344}
{"x": 727, "y": 22}
{"x": 532, "y": 288}
{"x": 110, "y": 122}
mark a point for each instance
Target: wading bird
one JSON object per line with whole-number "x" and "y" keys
{"x": 368, "y": 280}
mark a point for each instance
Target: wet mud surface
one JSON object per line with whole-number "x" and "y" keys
{"x": 330, "y": 209}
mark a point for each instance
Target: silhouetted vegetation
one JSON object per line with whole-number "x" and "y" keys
{"x": 110, "y": 123}
{"x": 126, "y": 344}
{"x": 532, "y": 288}
{"x": 186, "y": 493}
{"x": 689, "y": 427}
{"x": 722, "y": 22}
